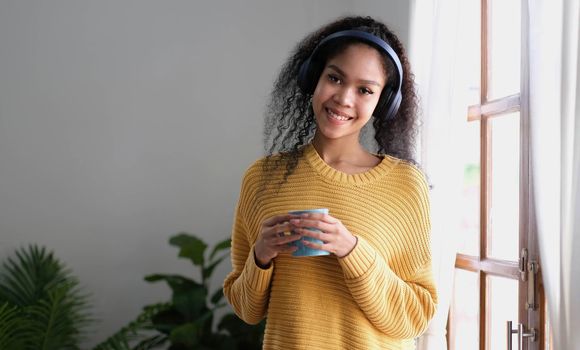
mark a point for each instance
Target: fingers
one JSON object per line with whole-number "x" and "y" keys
{"x": 313, "y": 223}
{"x": 319, "y": 226}
{"x": 313, "y": 234}
{"x": 278, "y": 236}
{"x": 278, "y": 230}
{"x": 339, "y": 244}
{"x": 288, "y": 249}
{"x": 320, "y": 217}
{"x": 274, "y": 220}
{"x": 284, "y": 240}
{"x": 270, "y": 245}
{"x": 313, "y": 245}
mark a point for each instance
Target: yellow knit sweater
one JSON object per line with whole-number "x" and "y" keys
{"x": 380, "y": 296}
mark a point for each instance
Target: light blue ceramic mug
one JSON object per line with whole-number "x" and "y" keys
{"x": 302, "y": 249}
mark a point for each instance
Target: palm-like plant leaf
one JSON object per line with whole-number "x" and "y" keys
{"x": 136, "y": 331}
{"x": 151, "y": 343}
{"x": 11, "y": 327}
{"x": 52, "y": 309}
{"x": 55, "y": 321}
{"x": 22, "y": 279}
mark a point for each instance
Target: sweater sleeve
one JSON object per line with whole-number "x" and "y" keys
{"x": 247, "y": 287}
{"x": 398, "y": 297}
{"x": 401, "y": 308}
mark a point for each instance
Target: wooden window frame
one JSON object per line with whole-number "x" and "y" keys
{"x": 483, "y": 264}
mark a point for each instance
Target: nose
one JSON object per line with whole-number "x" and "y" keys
{"x": 344, "y": 97}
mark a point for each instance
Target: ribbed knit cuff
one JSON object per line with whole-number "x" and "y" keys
{"x": 256, "y": 278}
{"x": 359, "y": 260}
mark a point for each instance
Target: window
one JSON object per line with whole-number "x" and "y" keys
{"x": 496, "y": 277}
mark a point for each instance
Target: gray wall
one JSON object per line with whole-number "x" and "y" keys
{"x": 124, "y": 122}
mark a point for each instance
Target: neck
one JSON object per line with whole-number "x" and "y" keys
{"x": 332, "y": 151}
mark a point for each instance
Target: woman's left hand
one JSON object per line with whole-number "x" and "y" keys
{"x": 335, "y": 237}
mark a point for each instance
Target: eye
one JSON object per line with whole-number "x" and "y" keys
{"x": 365, "y": 91}
{"x": 333, "y": 78}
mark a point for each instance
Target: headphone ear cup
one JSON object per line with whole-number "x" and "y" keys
{"x": 383, "y": 104}
{"x": 304, "y": 80}
{"x": 394, "y": 105}
{"x": 388, "y": 105}
{"x": 308, "y": 75}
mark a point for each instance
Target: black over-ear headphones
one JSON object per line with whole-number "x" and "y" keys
{"x": 390, "y": 98}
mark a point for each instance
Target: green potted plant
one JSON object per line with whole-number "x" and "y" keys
{"x": 42, "y": 306}
{"x": 186, "y": 321}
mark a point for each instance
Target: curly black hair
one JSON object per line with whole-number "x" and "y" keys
{"x": 290, "y": 122}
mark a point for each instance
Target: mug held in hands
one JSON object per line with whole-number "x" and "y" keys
{"x": 302, "y": 249}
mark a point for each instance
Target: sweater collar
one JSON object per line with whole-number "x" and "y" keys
{"x": 328, "y": 172}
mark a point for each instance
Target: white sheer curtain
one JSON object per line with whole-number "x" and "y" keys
{"x": 434, "y": 55}
{"x": 554, "y": 87}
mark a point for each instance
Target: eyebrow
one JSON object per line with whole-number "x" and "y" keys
{"x": 341, "y": 72}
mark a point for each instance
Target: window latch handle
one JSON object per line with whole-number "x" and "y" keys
{"x": 531, "y": 334}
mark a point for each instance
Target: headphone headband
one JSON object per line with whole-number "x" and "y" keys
{"x": 368, "y": 38}
{"x": 311, "y": 69}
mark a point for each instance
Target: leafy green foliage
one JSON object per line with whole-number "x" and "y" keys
{"x": 41, "y": 304}
{"x": 138, "y": 331}
{"x": 191, "y": 247}
{"x": 11, "y": 327}
{"x": 244, "y": 333}
{"x": 186, "y": 322}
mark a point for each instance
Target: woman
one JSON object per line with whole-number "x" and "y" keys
{"x": 375, "y": 289}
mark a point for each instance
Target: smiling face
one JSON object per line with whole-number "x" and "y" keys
{"x": 347, "y": 92}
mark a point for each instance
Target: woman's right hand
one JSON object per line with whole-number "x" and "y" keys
{"x": 273, "y": 239}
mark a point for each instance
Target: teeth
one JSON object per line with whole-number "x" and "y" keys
{"x": 336, "y": 116}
